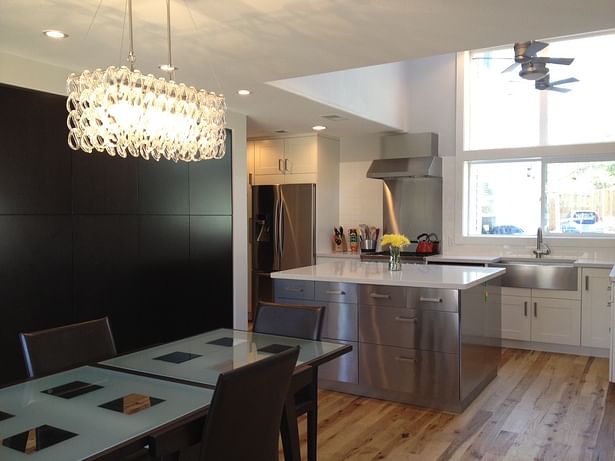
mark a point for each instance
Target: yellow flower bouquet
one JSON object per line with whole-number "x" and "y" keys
{"x": 395, "y": 240}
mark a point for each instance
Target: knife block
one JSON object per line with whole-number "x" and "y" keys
{"x": 342, "y": 247}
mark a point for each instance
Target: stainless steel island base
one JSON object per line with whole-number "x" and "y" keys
{"x": 430, "y": 347}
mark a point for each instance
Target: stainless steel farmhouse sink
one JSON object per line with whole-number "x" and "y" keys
{"x": 547, "y": 274}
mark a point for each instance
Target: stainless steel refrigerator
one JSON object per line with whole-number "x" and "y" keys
{"x": 283, "y": 233}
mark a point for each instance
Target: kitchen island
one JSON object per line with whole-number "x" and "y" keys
{"x": 427, "y": 335}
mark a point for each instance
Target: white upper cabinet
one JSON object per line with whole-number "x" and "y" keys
{"x": 286, "y": 161}
{"x": 269, "y": 156}
{"x": 596, "y": 309}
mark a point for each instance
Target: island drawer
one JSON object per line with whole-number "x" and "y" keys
{"x": 411, "y": 328}
{"x": 340, "y": 321}
{"x": 438, "y": 299}
{"x": 428, "y": 376}
{"x": 382, "y": 295}
{"x": 294, "y": 289}
{"x": 336, "y": 292}
{"x": 344, "y": 369}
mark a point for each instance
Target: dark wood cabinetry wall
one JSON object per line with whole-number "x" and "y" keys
{"x": 86, "y": 235}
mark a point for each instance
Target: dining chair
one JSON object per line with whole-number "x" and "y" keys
{"x": 303, "y": 322}
{"x": 56, "y": 349}
{"x": 246, "y": 409}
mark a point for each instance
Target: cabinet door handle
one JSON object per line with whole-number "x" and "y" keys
{"x": 525, "y": 309}
{"x": 294, "y": 290}
{"x": 335, "y": 292}
{"x": 586, "y": 282}
{"x": 399, "y": 358}
{"x": 430, "y": 300}
{"x": 399, "y": 318}
{"x": 286, "y": 169}
{"x": 280, "y": 167}
{"x": 535, "y": 309}
{"x": 379, "y": 296}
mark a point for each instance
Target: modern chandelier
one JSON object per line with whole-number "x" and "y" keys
{"x": 123, "y": 112}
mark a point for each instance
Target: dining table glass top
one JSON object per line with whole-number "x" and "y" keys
{"x": 80, "y": 413}
{"x": 201, "y": 358}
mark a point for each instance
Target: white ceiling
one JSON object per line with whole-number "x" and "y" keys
{"x": 228, "y": 45}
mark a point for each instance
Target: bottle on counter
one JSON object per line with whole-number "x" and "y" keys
{"x": 354, "y": 240}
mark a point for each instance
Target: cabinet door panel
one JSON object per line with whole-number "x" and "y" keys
{"x": 596, "y": 315}
{"x": 556, "y": 321}
{"x": 344, "y": 369}
{"x": 300, "y": 155}
{"x": 269, "y": 156}
{"x": 516, "y": 320}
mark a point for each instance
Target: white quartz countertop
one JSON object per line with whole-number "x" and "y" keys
{"x": 597, "y": 263}
{"x": 339, "y": 254}
{"x": 581, "y": 262}
{"x": 463, "y": 259}
{"x": 411, "y": 275}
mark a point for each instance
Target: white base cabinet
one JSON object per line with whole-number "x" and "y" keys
{"x": 596, "y": 308}
{"x": 527, "y": 315}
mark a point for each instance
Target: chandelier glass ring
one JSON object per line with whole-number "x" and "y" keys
{"x": 123, "y": 112}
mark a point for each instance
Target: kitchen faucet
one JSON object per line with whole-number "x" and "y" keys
{"x": 542, "y": 248}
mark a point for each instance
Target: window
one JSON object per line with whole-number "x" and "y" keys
{"x": 514, "y": 198}
{"x": 505, "y": 111}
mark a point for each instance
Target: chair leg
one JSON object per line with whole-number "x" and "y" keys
{"x": 312, "y": 432}
{"x": 290, "y": 431}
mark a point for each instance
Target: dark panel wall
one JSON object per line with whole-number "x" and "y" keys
{"x": 86, "y": 235}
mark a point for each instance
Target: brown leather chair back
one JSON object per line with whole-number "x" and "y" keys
{"x": 244, "y": 417}
{"x": 298, "y": 321}
{"x": 56, "y": 349}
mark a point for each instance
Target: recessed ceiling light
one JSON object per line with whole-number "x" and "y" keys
{"x": 167, "y": 67}
{"x": 54, "y": 33}
{"x": 319, "y": 127}
{"x": 244, "y": 92}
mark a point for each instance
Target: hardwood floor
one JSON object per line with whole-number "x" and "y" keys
{"x": 542, "y": 406}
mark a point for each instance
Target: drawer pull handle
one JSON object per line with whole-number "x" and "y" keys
{"x": 335, "y": 292}
{"x": 294, "y": 290}
{"x": 405, "y": 359}
{"x": 430, "y": 300}
{"x": 406, "y": 319}
{"x": 379, "y": 296}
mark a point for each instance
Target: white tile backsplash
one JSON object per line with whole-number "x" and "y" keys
{"x": 360, "y": 197}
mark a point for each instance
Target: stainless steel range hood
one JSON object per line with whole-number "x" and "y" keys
{"x": 409, "y": 167}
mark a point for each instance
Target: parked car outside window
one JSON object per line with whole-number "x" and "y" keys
{"x": 507, "y": 230}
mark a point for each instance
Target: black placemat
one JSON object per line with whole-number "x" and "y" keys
{"x": 226, "y": 342}
{"x": 37, "y": 439}
{"x": 131, "y": 403}
{"x": 72, "y": 389}
{"x": 274, "y": 348}
{"x": 177, "y": 357}
{"x": 4, "y": 416}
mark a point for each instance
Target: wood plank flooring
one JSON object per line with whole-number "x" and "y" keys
{"x": 542, "y": 406}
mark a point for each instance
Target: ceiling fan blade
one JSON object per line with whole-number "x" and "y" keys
{"x": 563, "y": 61}
{"x": 490, "y": 57}
{"x": 512, "y": 67}
{"x": 564, "y": 81}
{"x": 558, "y": 89}
{"x": 535, "y": 47}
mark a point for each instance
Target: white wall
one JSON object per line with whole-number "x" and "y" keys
{"x": 375, "y": 93}
{"x": 360, "y": 197}
{"x": 25, "y": 73}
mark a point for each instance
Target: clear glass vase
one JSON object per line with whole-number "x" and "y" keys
{"x": 394, "y": 258}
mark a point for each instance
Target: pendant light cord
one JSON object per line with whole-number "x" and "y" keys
{"x": 131, "y": 53}
{"x": 169, "y": 40}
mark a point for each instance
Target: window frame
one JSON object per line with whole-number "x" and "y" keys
{"x": 563, "y": 153}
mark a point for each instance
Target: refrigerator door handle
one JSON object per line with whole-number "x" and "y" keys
{"x": 282, "y": 230}
{"x": 276, "y": 235}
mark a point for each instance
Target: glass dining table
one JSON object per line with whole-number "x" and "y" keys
{"x": 92, "y": 412}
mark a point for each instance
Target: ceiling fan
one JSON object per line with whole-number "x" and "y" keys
{"x": 535, "y": 68}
